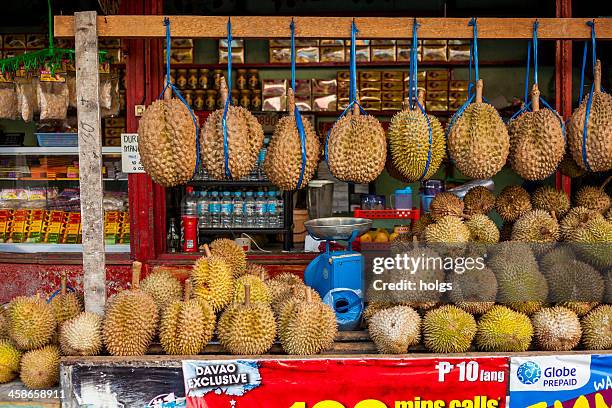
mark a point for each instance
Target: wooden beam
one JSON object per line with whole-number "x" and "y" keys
{"x": 338, "y": 27}
{"x": 90, "y": 160}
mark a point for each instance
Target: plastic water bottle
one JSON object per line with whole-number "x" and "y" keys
{"x": 261, "y": 175}
{"x": 226, "y": 210}
{"x": 260, "y": 211}
{"x": 271, "y": 210}
{"x": 249, "y": 210}
{"x": 214, "y": 210}
{"x": 238, "y": 210}
{"x": 280, "y": 209}
{"x": 203, "y": 221}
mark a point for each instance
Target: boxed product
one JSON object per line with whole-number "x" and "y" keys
{"x": 279, "y": 55}
{"x": 273, "y": 87}
{"x": 324, "y": 103}
{"x": 13, "y": 41}
{"x": 324, "y": 86}
{"x": 371, "y": 105}
{"x": 393, "y": 86}
{"x": 458, "y": 50}
{"x": 36, "y": 41}
{"x": 370, "y": 95}
{"x": 328, "y": 42}
{"x": 391, "y": 105}
{"x": 458, "y": 85}
{"x": 332, "y": 54}
{"x": 304, "y": 103}
{"x": 237, "y": 55}
{"x": 274, "y": 42}
{"x": 236, "y": 43}
{"x": 392, "y": 76}
{"x": 434, "y": 50}
{"x": 392, "y": 96}
{"x": 274, "y": 103}
{"x": 362, "y": 53}
{"x": 437, "y": 86}
{"x": 180, "y": 56}
{"x": 343, "y": 76}
{"x": 438, "y": 75}
{"x": 370, "y": 76}
{"x": 437, "y": 95}
{"x": 382, "y": 53}
{"x": 370, "y": 86}
{"x": 304, "y": 55}
{"x": 303, "y": 87}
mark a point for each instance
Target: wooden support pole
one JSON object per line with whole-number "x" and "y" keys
{"x": 90, "y": 160}
{"x": 339, "y": 27}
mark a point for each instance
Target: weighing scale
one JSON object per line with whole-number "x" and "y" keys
{"x": 338, "y": 275}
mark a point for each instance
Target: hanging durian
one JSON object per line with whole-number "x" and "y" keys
{"x": 244, "y": 140}
{"x": 512, "y": 202}
{"x": 310, "y": 327}
{"x": 448, "y": 329}
{"x": 283, "y": 162}
{"x": 9, "y": 361}
{"x": 357, "y": 147}
{"x": 247, "y": 328}
{"x": 130, "y": 321}
{"x": 167, "y": 142}
{"x": 549, "y": 199}
{"x": 599, "y": 132}
{"x": 568, "y": 166}
{"x": 395, "y": 329}
{"x": 478, "y": 141}
{"x": 65, "y": 305}
{"x": 186, "y": 326}
{"x": 556, "y": 329}
{"x": 31, "y": 322}
{"x": 163, "y": 287}
{"x": 478, "y": 200}
{"x": 212, "y": 280}
{"x": 445, "y": 203}
{"x": 39, "y": 369}
{"x": 82, "y": 335}
{"x": 416, "y": 138}
{"x": 537, "y": 142}
{"x": 232, "y": 253}
{"x": 594, "y": 198}
{"x": 503, "y": 329}
{"x": 597, "y": 328}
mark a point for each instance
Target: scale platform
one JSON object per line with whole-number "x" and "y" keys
{"x": 338, "y": 228}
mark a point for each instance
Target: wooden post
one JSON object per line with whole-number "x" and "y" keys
{"x": 90, "y": 160}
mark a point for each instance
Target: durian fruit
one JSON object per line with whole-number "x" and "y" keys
{"x": 374, "y": 307}
{"x": 474, "y": 291}
{"x": 536, "y": 226}
{"x": 257, "y": 270}
{"x": 556, "y": 258}
{"x": 282, "y": 286}
{"x": 608, "y": 279}
{"x": 599, "y": 132}
{"x": 448, "y": 329}
{"x": 163, "y": 287}
{"x": 357, "y": 148}
{"x": 167, "y": 142}
{"x": 482, "y": 229}
{"x": 232, "y": 253}
{"x": 130, "y": 320}
{"x": 186, "y": 326}
{"x": 295, "y": 294}
{"x": 594, "y": 198}
{"x": 510, "y": 252}
{"x": 247, "y": 328}
{"x": 419, "y": 226}
{"x": 309, "y": 327}
{"x": 551, "y": 200}
{"x": 447, "y": 230}
{"x": 556, "y": 329}
{"x": 82, "y": 335}
{"x": 395, "y": 329}
{"x": 65, "y": 305}
{"x": 40, "y": 368}
{"x": 31, "y": 322}
{"x": 593, "y": 241}
{"x": 283, "y": 162}
{"x": 512, "y": 202}
{"x": 244, "y": 139}
{"x": 537, "y": 142}
{"x": 502, "y": 330}
{"x": 9, "y": 361}
{"x": 478, "y": 200}
{"x": 576, "y": 219}
{"x": 4, "y": 323}
{"x": 568, "y": 167}
{"x": 444, "y": 204}
{"x": 259, "y": 290}
{"x": 575, "y": 281}
{"x": 478, "y": 142}
{"x": 410, "y": 145}
{"x": 597, "y": 328}
{"x": 212, "y": 281}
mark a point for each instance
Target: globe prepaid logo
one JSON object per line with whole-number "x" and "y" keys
{"x": 530, "y": 373}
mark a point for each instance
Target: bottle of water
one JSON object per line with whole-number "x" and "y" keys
{"x": 249, "y": 210}
{"x": 203, "y": 221}
{"x": 280, "y": 210}
{"x": 260, "y": 211}
{"x": 214, "y": 210}
{"x": 261, "y": 175}
{"x": 271, "y": 210}
{"x": 226, "y": 210}
{"x": 238, "y": 210}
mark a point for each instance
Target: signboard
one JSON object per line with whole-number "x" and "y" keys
{"x": 130, "y": 157}
{"x": 347, "y": 383}
{"x": 567, "y": 381}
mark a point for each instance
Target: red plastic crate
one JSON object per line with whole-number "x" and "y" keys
{"x": 413, "y": 214}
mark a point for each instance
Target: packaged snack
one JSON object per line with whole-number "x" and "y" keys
{"x": 52, "y": 97}
{"x": 332, "y": 54}
{"x": 383, "y": 53}
{"x": 305, "y": 55}
{"x": 8, "y": 101}
{"x": 26, "y": 98}
{"x": 280, "y": 54}
{"x": 324, "y": 103}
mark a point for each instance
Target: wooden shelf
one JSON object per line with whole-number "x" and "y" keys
{"x": 334, "y": 114}
{"x": 381, "y": 64}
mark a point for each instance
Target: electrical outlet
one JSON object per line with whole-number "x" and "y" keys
{"x": 139, "y": 110}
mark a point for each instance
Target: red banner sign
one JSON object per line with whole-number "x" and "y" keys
{"x": 347, "y": 383}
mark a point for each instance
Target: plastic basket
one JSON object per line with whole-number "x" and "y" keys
{"x": 57, "y": 139}
{"x": 388, "y": 214}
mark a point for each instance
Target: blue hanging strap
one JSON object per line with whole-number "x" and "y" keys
{"x": 228, "y": 102}
{"x": 353, "y": 86}
{"x": 57, "y": 292}
{"x": 170, "y": 85}
{"x": 296, "y": 111}
{"x": 587, "y": 113}
{"x": 473, "y": 22}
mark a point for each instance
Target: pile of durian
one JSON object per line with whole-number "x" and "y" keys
{"x": 532, "y": 294}
{"x": 224, "y": 298}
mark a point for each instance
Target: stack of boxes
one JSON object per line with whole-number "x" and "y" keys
{"x": 237, "y": 51}
{"x": 113, "y": 128}
{"x": 181, "y": 51}
{"x": 310, "y": 94}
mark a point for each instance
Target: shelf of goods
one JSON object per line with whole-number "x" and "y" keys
{"x": 388, "y": 214}
{"x": 30, "y": 248}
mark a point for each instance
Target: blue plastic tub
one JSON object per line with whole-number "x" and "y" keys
{"x": 57, "y": 139}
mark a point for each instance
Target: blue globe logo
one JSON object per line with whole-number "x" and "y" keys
{"x": 529, "y": 373}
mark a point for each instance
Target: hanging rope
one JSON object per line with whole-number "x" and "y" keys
{"x": 298, "y": 116}
{"x": 353, "y": 85}
{"x": 228, "y": 102}
{"x": 170, "y": 85}
{"x": 587, "y": 113}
